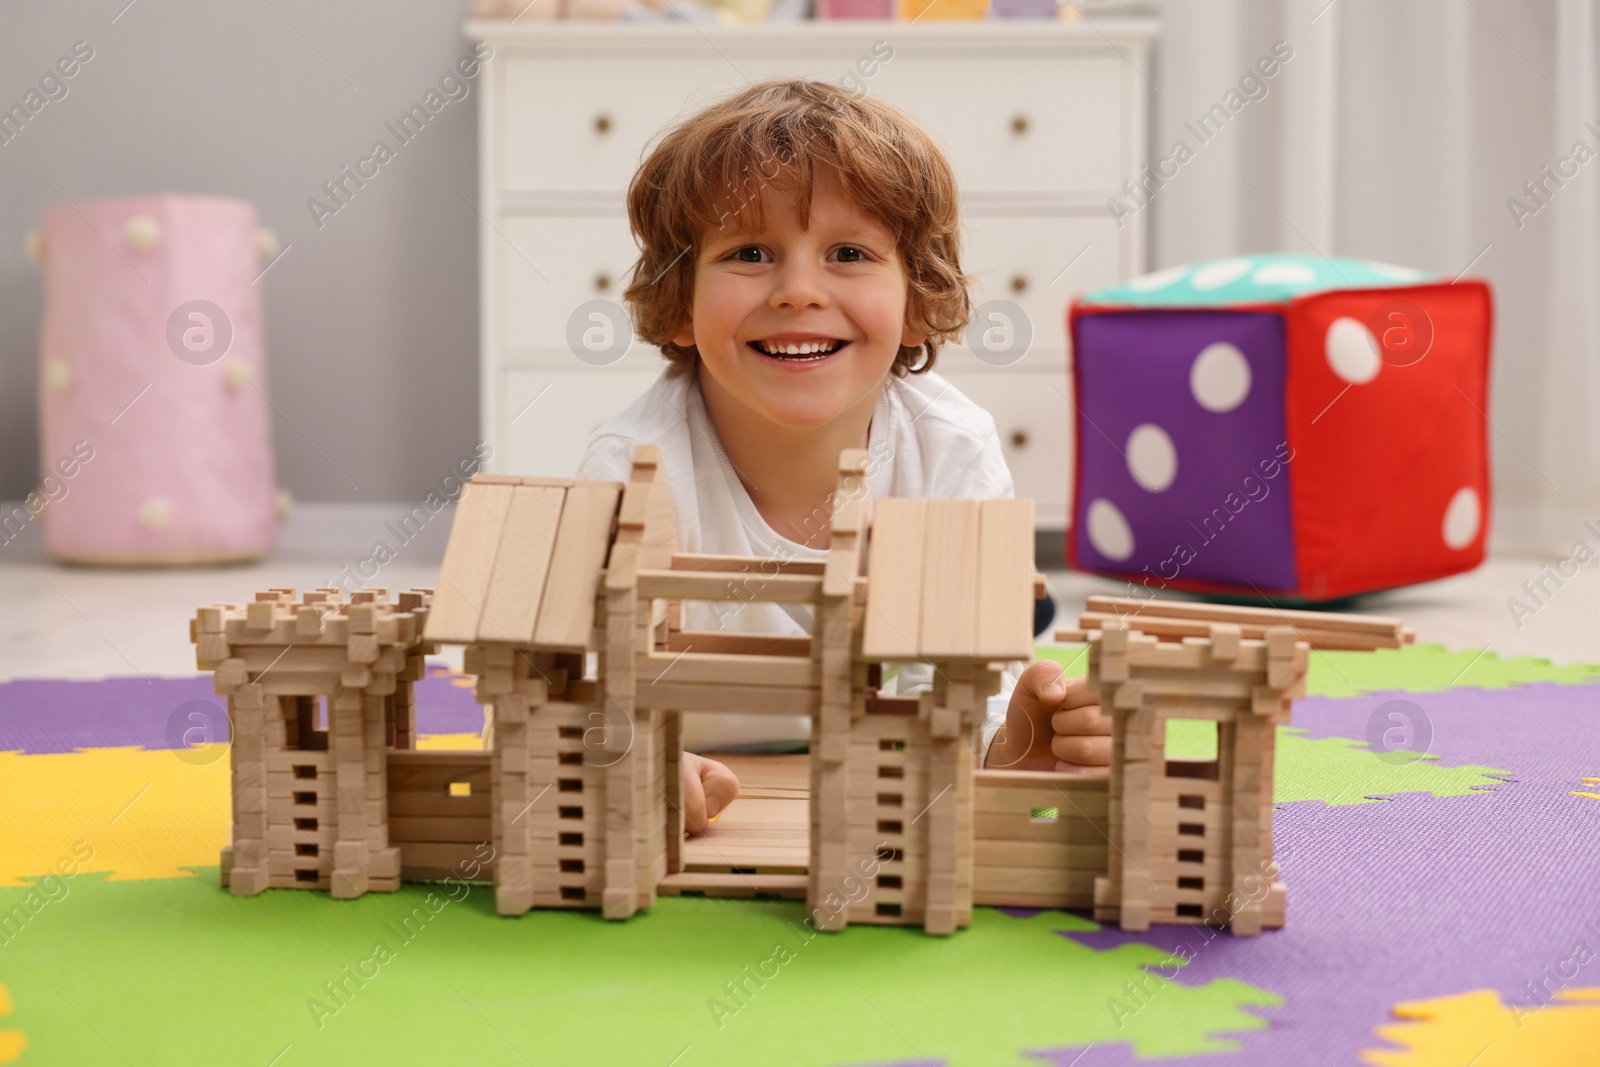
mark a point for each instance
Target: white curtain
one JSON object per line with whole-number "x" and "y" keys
{"x": 1401, "y": 132}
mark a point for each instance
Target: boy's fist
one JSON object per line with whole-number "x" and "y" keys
{"x": 708, "y": 787}
{"x": 1053, "y": 723}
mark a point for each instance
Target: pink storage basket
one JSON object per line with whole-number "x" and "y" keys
{"x": 155, "y": 434}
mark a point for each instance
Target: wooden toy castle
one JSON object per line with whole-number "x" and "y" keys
{"x": 569, "y": 599}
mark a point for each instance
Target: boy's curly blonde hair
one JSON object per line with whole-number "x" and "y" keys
{"x": 708, "y": 172}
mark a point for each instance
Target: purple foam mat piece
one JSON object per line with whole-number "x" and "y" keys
{"x": 1539, "y": 732}
{"x": 1419, "y": 896}
{"x": 42, "y": 716}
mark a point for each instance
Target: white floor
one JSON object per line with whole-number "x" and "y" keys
{"x": 64, "y": 622}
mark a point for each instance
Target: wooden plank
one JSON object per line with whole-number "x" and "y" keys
{"x": 521, "y": 479}
{"x": 732, "y": 585}
{"x": 1051, "y": 855}
{"x": 749, "y": 699}
{"x": 511, "y": 606}
{"x": 892, "y": 629}
{"x": 468, "y": 563}
{"x": 1068, "y": 827}
{"x": 738, "y": 886}
{"x": 1134, "y": 609}
{"x": 1005, "y": 579}
{"x": 436, "y": 828}
{"x": 1168, "y": 628}
{"x": 949, "y": 618}
{"x": 738, "y": 644}
{"x": 720, "y": 668}
{"x": 456, "y": 856}
{"x": 1005, "y": 885}
{"x": 704, "y": 561}
{"x": 1079, "y": 895}
{"x": 583, "y": 538}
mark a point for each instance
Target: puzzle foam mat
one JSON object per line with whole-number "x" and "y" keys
{"x": 1443, "y": 909}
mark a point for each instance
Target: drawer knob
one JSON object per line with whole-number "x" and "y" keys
{"x": 602, "y": 123}
{"x": 1019, "y": 438}
{"x": 602, "y": 282}
{"x": 1019, "y": 124}
{"x": 1019, "y": 283}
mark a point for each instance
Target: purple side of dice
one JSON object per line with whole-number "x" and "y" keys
{"x": 1174, "y": 458}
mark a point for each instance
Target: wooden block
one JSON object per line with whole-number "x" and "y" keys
{"x": 229, "y": 675}
{"x": 1274, "y": 910}
{"x": 468, "y": 565}
{"x": 1225, "y": 642}
{"x": 1266, "y": 700}
{"x": 583, "y": 538}
{"x": 892, "y": 624}
{"x": 949, "y": 609}
{"x": 363, "y": 648}
{"x": 261, "y": 615}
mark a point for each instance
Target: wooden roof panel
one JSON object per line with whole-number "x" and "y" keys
{"x": 1005, "y": 580}
{"x": 511, "y": 607}
{"x": 583, "y": 539}
{"x": 892, "y": 627}
{"x": 468, "y": 565}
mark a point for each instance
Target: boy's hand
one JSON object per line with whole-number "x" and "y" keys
{"x": 708, "y": 787}
{"x": 1052, "y": 724}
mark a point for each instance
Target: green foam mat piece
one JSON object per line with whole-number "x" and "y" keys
{"x": 176, "y": 971}
{"x": 1415, "y": 669}
{"x": 1341, "y": 770}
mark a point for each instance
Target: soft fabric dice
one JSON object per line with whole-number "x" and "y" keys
{"x": 1279, "y": 426}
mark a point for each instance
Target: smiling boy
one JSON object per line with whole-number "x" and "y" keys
{"x": 799, "y": 270}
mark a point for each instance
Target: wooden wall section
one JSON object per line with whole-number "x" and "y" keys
{"x": 439, "y": 814}
{"x": 1039, "y": 838}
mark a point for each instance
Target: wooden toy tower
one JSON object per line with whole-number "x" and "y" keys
{"x": 539, "y": 573}
{"x": 1191, "y": 839}
{"x": 585, "y": 771}
{"x": 318, "y": 692}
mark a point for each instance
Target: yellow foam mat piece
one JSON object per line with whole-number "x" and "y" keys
{"x": 12, "y": 1043}
{"x": 137, "y": 813}
{"x": 134, "y": 812}
{"x": 1477, "y": 1028}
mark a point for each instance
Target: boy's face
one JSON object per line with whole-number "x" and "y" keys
{"x": 839, "y": 287}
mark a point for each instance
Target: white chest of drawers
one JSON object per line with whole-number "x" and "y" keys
{"x": 1043, "y": 121}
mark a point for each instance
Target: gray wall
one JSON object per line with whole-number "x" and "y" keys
{"x": 372, "y": 320}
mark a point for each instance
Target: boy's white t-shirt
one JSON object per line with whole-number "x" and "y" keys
{"x": 926, "y": 439}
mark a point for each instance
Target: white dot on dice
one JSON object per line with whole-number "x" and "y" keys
{"x": 1215, "y": 275}
{"x": 1284, "y": 274}
{"x": 1462, "y": 517}
{"x": 1152, "y": 458}
{"x": 1108, "y": 530}
{"x": 1159, "y": 280}
{"x": 1220, "y": 377}
{"x": 1352, "y": 351}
